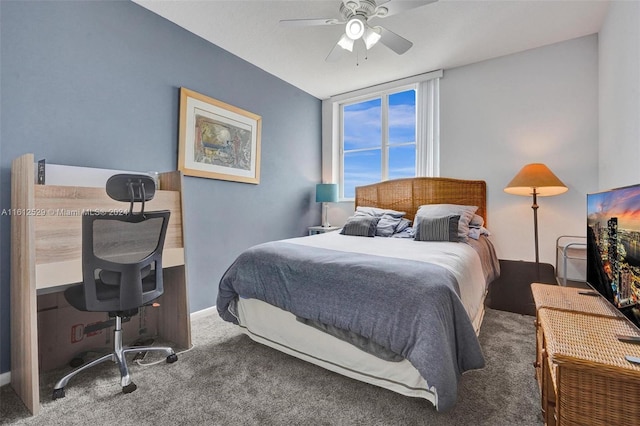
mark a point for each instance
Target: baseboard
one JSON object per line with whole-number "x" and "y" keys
{"x": 5, "y": 378}
{"x": 203, "y": 313}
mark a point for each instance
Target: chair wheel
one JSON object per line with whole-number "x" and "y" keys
{"x": 172, "y": 358}
{"x": 58, "y": 393}
{"x": 129, "y": 388}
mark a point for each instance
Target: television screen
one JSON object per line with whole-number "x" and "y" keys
{"x": 613, "y": 247}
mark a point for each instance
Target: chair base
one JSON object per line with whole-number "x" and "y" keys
{"x": 118, "y": 357}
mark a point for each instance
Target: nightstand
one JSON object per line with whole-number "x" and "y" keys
{"x": 322, "y": 229}
{"x": 511, "y": 292}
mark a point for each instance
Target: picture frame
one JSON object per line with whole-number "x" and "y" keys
{"x": 218, "y": 140}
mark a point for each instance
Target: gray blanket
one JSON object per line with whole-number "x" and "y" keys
{"x": 411, "y": 308}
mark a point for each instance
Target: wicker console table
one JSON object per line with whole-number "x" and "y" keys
{"x": 570, "y": 299}
{"x": 581, "y": 368}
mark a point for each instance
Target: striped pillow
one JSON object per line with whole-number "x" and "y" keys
{"x": 438, "y": 228}
{"x": 360, "y": 226}
{"x": 439, "y": 210}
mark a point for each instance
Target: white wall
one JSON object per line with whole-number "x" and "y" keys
{"x": 540, "y": 105}
{"x": 619, "y": 74}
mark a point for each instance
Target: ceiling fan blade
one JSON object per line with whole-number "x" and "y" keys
{"x": 345, "y": 44}
{"x": 388, "y": 8}
{"x": 393, "y": 41}
{"x": 309, "y": 22}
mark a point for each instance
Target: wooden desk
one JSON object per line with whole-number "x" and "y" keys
{"x": 46, "y": 242}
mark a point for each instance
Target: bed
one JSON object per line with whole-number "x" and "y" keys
{"x": 393, "y": 312}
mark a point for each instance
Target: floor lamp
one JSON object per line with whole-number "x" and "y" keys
{"x": 538, "y": 181}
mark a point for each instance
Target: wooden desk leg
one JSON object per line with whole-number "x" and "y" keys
{"x": 24, "y": 315}
{"x": 174, "y": 322}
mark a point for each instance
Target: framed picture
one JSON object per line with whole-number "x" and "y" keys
{"x": 218, "y": 140}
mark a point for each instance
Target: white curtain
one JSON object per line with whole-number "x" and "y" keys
{"x": 428, "y": 128}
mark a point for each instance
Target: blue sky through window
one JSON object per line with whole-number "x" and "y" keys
{"x": 362, "y": 132}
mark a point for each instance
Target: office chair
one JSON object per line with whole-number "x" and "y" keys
{"x": 121, "y": 268}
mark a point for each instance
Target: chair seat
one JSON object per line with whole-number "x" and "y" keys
{"x": 75, "y": 294}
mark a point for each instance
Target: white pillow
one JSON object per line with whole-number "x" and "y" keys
{"x": 377, "y": 212}
{"x": 441, "y": 210}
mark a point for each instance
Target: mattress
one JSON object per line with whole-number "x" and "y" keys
{"x": 280, "y": 330}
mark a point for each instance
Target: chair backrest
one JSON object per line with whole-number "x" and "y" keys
{"x": 122, "y": 252}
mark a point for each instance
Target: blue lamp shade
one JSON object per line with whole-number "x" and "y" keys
{"x": 327, "y": 193}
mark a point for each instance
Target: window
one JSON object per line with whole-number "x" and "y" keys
{"x": 388, "y": 131}
{"x": 378, "y": 139}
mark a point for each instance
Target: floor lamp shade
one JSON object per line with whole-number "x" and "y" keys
{"x": 326, "y": 193}
{"x": 536, "y": 180}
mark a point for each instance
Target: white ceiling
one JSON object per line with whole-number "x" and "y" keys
{"x": 445, "y": 34}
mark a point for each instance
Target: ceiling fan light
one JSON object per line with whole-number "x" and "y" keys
{"x": 371, "y": 37}
{"x": 355, "y": 28}
{"x": 346, "y": 43}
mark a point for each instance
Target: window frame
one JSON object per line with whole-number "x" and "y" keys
{"x": 427, "y": 125}
{"x": 384, "y": 145}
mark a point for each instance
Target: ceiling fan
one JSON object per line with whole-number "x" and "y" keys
{"x": 355, "y": 17}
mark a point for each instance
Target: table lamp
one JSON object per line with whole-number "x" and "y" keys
{"x": 537, "y": 180}
{"x": 326, "y": 193}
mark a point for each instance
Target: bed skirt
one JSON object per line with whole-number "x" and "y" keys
{"x": 280, "y": 330}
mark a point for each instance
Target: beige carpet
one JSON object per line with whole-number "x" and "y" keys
{"x": 227, "y": 379}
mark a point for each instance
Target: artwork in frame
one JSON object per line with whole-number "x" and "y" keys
{"x": 218, "y": 140}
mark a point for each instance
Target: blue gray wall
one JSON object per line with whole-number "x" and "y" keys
{"x": 96, "y": 84}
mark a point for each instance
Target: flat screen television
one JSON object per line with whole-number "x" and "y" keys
{"x": 613, "y": 248}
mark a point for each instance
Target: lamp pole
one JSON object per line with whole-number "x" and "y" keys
{"x": 534, "y": 206}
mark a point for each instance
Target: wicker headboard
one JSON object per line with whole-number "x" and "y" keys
{"x": 408, "y": 194}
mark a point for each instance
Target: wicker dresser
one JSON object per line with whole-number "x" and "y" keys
{"x": 570, "y": 299}
{"x": 581, "y": 368}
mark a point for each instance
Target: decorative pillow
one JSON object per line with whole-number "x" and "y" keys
{"x": 387, "y": 225}
{"x": 476, "y": 221}
{"x": 360, "y": 226}
{"x": 389, "y": 219}
{"x": 440, "y": 210}
{"x": 438, "y": 229}
{"x": 476, "y": 232}
{"x": 404, "y": 224}
{"x": 408, "y": 232}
